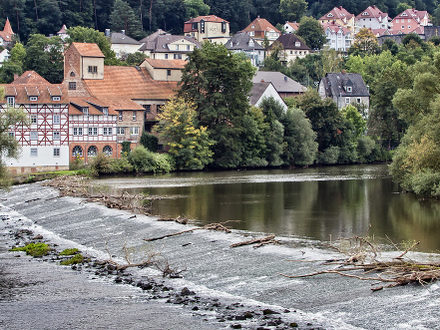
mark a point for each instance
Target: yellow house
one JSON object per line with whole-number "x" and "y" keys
{"x": 340, "y": 16}
{"x": 164, "y": 70}
{"x": 212, "y": 28}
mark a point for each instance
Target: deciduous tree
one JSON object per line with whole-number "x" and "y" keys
{"x": 292, "y": 10}
{"x": 312, "y": 32}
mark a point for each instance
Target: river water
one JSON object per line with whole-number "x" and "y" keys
{"x": 320, "y": 203}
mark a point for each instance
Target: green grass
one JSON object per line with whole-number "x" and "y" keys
{"x": 34, "y": 249}
{"x": 76, "y": 259}
{"x": 69, "y": 252}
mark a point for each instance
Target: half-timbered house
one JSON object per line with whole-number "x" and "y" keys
{"x": 44, "y": 140}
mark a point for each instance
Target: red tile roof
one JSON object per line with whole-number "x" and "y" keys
{"x": 30, "y": 77}
{"x": 335, "y": 28}
{"x": 337, "y": 13}
{"x": 7, "y": 32}
{"x": 87, "y": 49}
{"x": 260, "y": 25}
{"x": 372, "y": 12}
{"x": 294, "y": 25}
{"x": 131, "y": 83}
{"x": 209, "y": 18}
{"x": 166, "y": 64}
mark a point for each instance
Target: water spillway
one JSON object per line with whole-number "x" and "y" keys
{"x": 246, "y": 275}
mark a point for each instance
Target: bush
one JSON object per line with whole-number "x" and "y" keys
{"x": 144, "y": 161}
{"x": 34, "y": 249}
{"x": 76, "y": 164}
{"x": 126, "y": 149}
{"x": 365, "y": 148}
{"x": 329, "y": 156}
{"x": 150, "y": 141}
{"x": 76, "y": 259}
{"x": 69, "y": 252}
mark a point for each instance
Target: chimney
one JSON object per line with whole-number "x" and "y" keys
{"x": 107, "y": 32}
{"x": 123, "y": 32}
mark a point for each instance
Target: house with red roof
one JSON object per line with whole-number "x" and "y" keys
{"x": 410, "y": 21}
{"x": 291, "y": 27}
{"x": 261, "y": 29}
{"x": 44, "y": 141}
{"x": 373, "y": 18}
{"x": 340, "y": 16}
{"x": 338, "y": 37}
{"x": 7, "y": 34}
{"x": 211, "y": 27}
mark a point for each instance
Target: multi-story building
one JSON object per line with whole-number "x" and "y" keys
{"x": 7, "y": 34}
{"x": 164, "y": 70}
{"x": 260, "y": 29}
{"x": 163, "y": 46}
{"x": 338, "y": 37}
{"x": 122, "y": 44}
{"x": 292, "y": 48}
{"x": 340, "y": 16}
{"x": 211, "y": 28}
{"x": 44, "y": 140}
{"x": 373, "y": 18}
{"x": 242, "y": 42}
{"x": 410, "y": 21}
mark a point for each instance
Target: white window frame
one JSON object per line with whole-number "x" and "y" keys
{"x": 56, "y": 119}
{"x": 56, "y": 135}
{"x": 34, "y": 119}
{"x": 33, "y": 135}
{"x": 11, "y": 101}
{"x": 134, "y": 130}
{"x": 107, "y": 131}
{"x": 34, "y": 152}
{"x": 347, "y": 100}
{"x": 56, "y": 98}
{"x": 133, "y": 116}
{"x": 33, "y": 98}
{"x": 56, "y": 152}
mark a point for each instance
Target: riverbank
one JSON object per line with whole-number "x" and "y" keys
{"x": 245, "y": 276}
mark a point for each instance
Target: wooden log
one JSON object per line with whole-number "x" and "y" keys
{"x": 254, "y": 241}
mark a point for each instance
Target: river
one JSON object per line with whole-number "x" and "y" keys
{"x": 322, "y": 203}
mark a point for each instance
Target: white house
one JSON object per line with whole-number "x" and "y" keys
{"x": 122, "y": 44}
{"x": 338, "y": 37}
{"x": 264, "y": 90}
{"x": 373, "y": 18}
{"x": 4, "y": 56}
{"x": 242, "y": 42}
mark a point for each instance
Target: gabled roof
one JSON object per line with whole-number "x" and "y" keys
{"x": 417, "y": 30}
{"x": 87, "y": 49}
{"x": 63, "y": 30}
{"x": 261, "y": 25}
{"x": 133, "y": 83}
{"x": 122, "y": 38}
{"x": 152, "y": 36}
{"x": 335, "y": 85}
{"x": 372, "y": 12}
{"x": 257, "y": 91}
{"x": 7, "y": 32}
{"x": 208, "y": 18}
{"x": 335, "y": 28}
{"x": 417, "y": 15}
{"x": 30, "y": 84}
{"x": 243, "y": 41}
{"x": 293, "y": 25}
{"x": 291, "y": 41}
{"x": 166, "y": 64}
{"x": 337, "y": 13}
{"x": 280, "y": 81}
{"x": 160, "y": 43}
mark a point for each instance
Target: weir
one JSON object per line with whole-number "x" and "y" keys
{"x": 244, "y": 274}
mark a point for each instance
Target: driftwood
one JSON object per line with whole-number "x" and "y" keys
{"x": 260, "y": 242}
{"x": 181, "y": 220}
{"x": 396, "y": 273}
{"x": 212, "y": 226}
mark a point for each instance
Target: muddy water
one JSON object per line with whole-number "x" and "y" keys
{"x": 319, "y": 203}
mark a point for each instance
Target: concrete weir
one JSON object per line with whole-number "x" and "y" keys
{"x": 244, "y": 277}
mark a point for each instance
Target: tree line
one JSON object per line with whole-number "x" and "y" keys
{"x": 142, "y": 17}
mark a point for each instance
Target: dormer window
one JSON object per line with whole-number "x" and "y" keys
{"x": 93, "y": 69}
{"x": 33, "y": 98}
{"x": 365, "y": 13}
{"x": 330, "y": 15}
{"x": 56, "y": 98}
{"x": 404, "y": 14}
{"x": 105, "y": 111}
{"x": 348, "y": 89}
{"x": 11, "y": 101}
{"x": 194, "y": 26}
{"x": 85, "y": 111}
{"x": 297, "y": 44}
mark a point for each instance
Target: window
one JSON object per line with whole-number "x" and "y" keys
{"x": 56, "y": 135}
{"x": 194, "y": 26}
{"x": 177, "y": 56}
{"x": 56, "y": 152}
{"x": 177, "y": 47}
{"x": 188, "y": 47}
{"x": 202, "y": 26}
{"x": 159, "y": 108}
{"x": 56, "y": 98}
{"x": 107, "y": 131}
{"x": 349, "y": 89}
{"x": 297, "y": 44}
{"x": 34, "y": 135}
{"x": 403, "y": 27}
{"x": 85, "y": 111}
{"x": 120, "y": 130}
{"x": 78, "y": 131}
{"x": 134, "y": 130}
{"x": 223, "y": 27}
{"x": 92, "y": 151}
{"x": 358, "y": 100}
{"x": 34, "y": 152}
{"x": 134, "y": 115}
{"x": 11, "y": 101}
{"x": 409, "y": 26}
{"x": 77, "y": 151}
{"x": 92, "y": 69}
{"x": 11, "y": 134}
{"x": 105, "y": 111}
{"x": 72, "y": 74}
{"x": 33, "y": 119}
{"x": 166, "y": 56}
{"x": 56, "y": 119}
{"x": 347, "y": 100}
{"x": 147, "y": 108}
{"x": 120, "y": 116}
{"x": 72, "y": 85}
{"x": 107, "y": 150}
{"x": 168, "y": 72}
{"x": 93, "y": 130}
{"x": 33, "y": 98}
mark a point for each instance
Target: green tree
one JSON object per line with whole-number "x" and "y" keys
{"x": 300, "y": 147}
{"x": 365, "y": 42}
{"x": 218, "y": 82}
{"x": 83, "y": 34}
{"x": 124, "y": 18}
{"x": 14, "y": 65}
{"x": 9, "y": 117}
{"x": 355, "y": 118}
{"x": 45, "y": 56}
{"x": 135, "y": 58}
{"x": 312, "y": 32}
{"x": 189, "y": 146}
{"x": 195, "y": 8}
{"x": 292, "y": 10}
